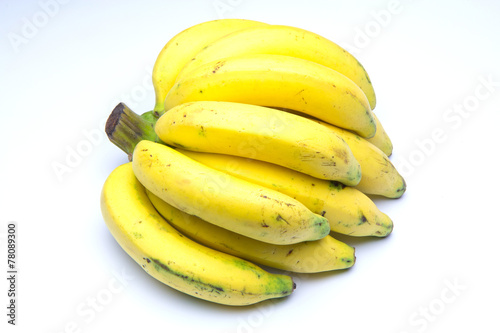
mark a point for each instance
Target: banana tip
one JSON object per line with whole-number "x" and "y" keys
{"x": 400, "y": 191}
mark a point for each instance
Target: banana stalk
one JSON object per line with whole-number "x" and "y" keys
{"x": 125, "y": 128}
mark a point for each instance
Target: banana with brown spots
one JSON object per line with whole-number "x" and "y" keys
{"x": 260, "y": 133}
{"x": 224, "y": 200}
{"x": 174, "y": 259}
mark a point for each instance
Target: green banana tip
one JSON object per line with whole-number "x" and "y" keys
{"x": 402, "y": 189}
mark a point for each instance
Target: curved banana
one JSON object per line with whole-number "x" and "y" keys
{"x": 229, "y": 202}
{"x": 348, "y": 210}
{"x": 379, "y": 175}
{"x": 183, "y": 46}
{"x": 278, "y": 81}
{"x": 381, "y": 139}
{"x": 175, "y": 260}
{"x": 261, "y": 133}
{"x": 288, "y": 41}
{"x": 326, "y": 254}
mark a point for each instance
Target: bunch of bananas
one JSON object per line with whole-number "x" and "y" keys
{"x": 262, "y": 145}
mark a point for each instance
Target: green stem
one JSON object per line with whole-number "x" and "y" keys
{"x": 125, "y": 128}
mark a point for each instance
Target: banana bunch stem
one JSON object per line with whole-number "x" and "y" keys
{"x": 125, "y": 128}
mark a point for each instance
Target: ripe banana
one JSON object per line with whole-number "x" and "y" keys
{"x": 175, "y": 260}
{"x": 229, "y": 202}
{"x": 288, "y": 41}
{"x": 348, "y": 210}
{"x": 381, "y": 139}
{"x": 379, "y": 176}
{"x": 322, "y": 255}
{"x": 261, "y": 133}
{"x": 278, "y": 81}
{"x": 183, "y": 46}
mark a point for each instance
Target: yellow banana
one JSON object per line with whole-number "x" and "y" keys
{"x": 381, "y": 139}
{"x": 322, "y": 255}
{"x": 229, "y": 202}
{"x": 174, "y": 259}
{"x": 288, "y": 41}
{"x": 183, "y": 46}
{"x": 348, "y": 210}
{"x": 278, "y": 81}
{"x": 379, "y": 175}
{"x": 261, "y": 133}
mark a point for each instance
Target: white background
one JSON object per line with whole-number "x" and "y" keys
{"x": 66, "y": 64}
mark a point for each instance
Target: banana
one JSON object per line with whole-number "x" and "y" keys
{"x": 174, "y": 259}
{"x": 326, "y": 254}
{"x": 381, "y": 139}
{"x": 261, "y": 133}
{"x": 229, "y": 202}
{"x": 379, "y": 175}
{"x": 288, "y": 41}
{"x": 183, "y": 46}
{"x": 278, "y": 81}
{"x": 348, "y": 210}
